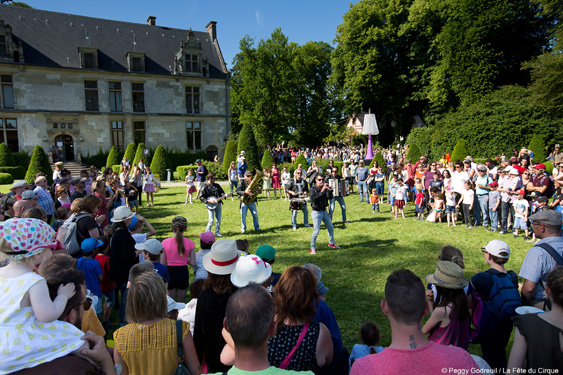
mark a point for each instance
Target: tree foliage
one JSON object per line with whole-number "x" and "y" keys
{"x": 159, "y": 162}
{"x": 267, "y": 160}
{"x": 113, "y": 157}
{"x": 247, "y": 143}
{"x": 414, "y": 152}
{"x": 39, "y": 163}
{"x": 537, "y": 146}
{"x": 460, "y": 150}
{"x": 301, "y": 159}
{"x": 130, "y": 153}
{"x": 6, "y": 157}
{"x": 230, "y": 154}
{"x": 547, "y": 85}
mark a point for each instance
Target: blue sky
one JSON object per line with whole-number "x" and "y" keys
{"x": 301, "y": 21}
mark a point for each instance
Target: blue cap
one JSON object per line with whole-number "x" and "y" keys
{"x": 134, "y": 221}
{"x": 89, "y": 244}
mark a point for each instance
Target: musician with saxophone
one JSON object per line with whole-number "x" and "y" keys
{"x": 297, "y": 189}
{"x": 319, "y": 202}
{"x": 248, "y": 190}
{"x": 339, "y": 189}
{"x": 212, "y": 195}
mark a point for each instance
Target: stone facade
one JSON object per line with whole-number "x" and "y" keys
{"x": 67, "y": 101}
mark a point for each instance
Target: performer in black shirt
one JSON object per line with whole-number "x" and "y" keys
{"x": 319, "y": 203}
{"x": 212, "y": 195}
{"x": 298, "y": 189}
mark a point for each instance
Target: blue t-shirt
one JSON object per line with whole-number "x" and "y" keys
{"x": 241, "y": 168}
{"x": 362, "y": 173}
{"x": 162, "y": 271}
{"x": 91, "y": 269}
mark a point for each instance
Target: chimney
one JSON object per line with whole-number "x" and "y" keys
{"x": 212, "y": 30}
{"x": 151, "y": 20}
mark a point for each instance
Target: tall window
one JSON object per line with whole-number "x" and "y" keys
{"x": 136, "y": 64}
{"x": 3, "y": 46}
{"x": 9, "y": 133}
{"x": 117, "y": 134}
{"x": 192, "y": 99}
{"x": 91, "y": 95}
{"x": 7, "y": 91}
{"x": 139, "y": 132}
{"x": 138, "y": 97}
{"x": 89, "y": 61}
{"x": 191, "y": 63}
{"x": 115, "y": 97}
{"x": 193, "y": 135}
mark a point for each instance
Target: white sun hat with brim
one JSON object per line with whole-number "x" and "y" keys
{"x": 250, "y": 269}
{"x": 222, "y": 258}
{"x": 173, "y": 305}
{"x": 121, "y": 213}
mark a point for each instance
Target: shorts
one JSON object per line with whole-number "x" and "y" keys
{"x": 133, "y": 204}
{"x": 392, "y": 201}
{"x": 419, "y": 208}
{"x": 199, "y": 185}
{"x": 399, "y": 203}
{"x": 450, "y": 209}
{"x": 109, "y": 297}
{"x": 179, "y": 277}
{"x": 520, "y": 223}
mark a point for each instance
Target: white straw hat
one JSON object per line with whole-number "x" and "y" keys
{"x": 250, "y": 269}
{"x": 121, "y": 213}
{"x": 222, "y": 258}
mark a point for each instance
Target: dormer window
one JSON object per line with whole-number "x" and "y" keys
{"x": 136, "y": 61}
{"x": 88, "y": 57}
{"x": 192, "y": 65}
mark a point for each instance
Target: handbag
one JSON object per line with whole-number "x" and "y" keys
{"x": 181, "y": 369}
{"x": 287, "y": 359}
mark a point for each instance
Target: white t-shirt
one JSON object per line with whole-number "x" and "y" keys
{"x": 400, "y": 195}
{"x": 200, "y": 272}
{"x": 520, "y": 205}
{"x": 468, "y": 196}
{"x": 458, "y": 181}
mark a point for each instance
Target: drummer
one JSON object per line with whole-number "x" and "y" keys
{"x": 297, "y": 189}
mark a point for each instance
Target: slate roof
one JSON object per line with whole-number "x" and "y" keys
{"x": 52, "y": 39}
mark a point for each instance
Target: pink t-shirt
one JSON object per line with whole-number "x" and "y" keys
{"x": 431, "y": 359}
{"x": 171, "y": 251}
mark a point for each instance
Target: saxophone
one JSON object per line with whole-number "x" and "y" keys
{"x": 255, "y": 187}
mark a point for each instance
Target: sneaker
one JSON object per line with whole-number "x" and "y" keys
{"x": 526, "y": 238}
{"x": 502, "y": 232}
{"x": 471, "y": 226}
{"x": 218, "y": 235}
{"x": 313, "y": 251}
{"x": 242, "y": 231}
{"x": 346, "y": 222}
{"x": 294, "y": 228}
{"x": 334, "y": 246}
{"x": 307, "y": 226}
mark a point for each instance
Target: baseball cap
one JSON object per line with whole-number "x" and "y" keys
{"x": 498, "y": 248}
{"x": 267, "y": 253}
{"x": 321, "y": 288}
{"x": 540, "y": 166}
{"x": 482, "y": 168}
{"x": 151, "y": 245}
{"x": 207, "y": 237}
{"x": 134, "y": 221}
{"x": 493, "y": 184}
{"x": 18, "y": 184}
{"x": 548, "y": 217}
{"x": 29, "y": 194}
{"x": 89, "y": 244}
{"x": 248, "y": 173}
{"x": 198, "y": 161}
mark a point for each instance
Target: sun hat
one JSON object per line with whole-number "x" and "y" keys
{"x": 222, "y": 258}
{"x": 250, "y": 269}
{"x": 134, "y": 221}
{"x": 496, "y": 248}
{"x": 207, "y": 237}
{"x": 23, "y": 238}
{"x": 267, "y": 253}
{"x": 549, "y": 217}
{"x": 151, "y": 245}
{"x": 40, "y": 178}
{"x": 448, "y": 275}
{"x": 513, "y": 172}
{"x": 18, "y": 184}
{"x": 89, "y": 244}
{"x": 121, "y": 213}
{"x": 173, "y": 305}
{"x": 29, "y": 194}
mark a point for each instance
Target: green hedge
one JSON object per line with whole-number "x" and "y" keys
{"x": 6, "y": 157}
{"x": 247, "y": 143}
{"x": 230, "y": 154}
{"x": 22, "y": 159}
{"x": 39, "y": 163}
{"x": 139, "y": 154}
{"x": 98, "y": 159}
{"x": 159, "y": 162}
{"x": 220, "y": 172}
{"x": 301, "y": 159}
{"x": 549, "y": 166}
{"x": 116, "y": 168}
{"x": 182, "y": 171}
{"x": 178, "y": 157}
{"x": 6, "y": 178}
{"x": 113, "y": 157}
{"x": 18, "y": 173}
{"x": 130, "y": 153}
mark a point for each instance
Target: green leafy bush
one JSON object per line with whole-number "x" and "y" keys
{"x": 483, "y": 160}
{"x": 6, "y": 158}
{"x": 290, "y": 168}
{"x": 176, "y": 157}
{"x": 139, "y": 154}
{"x": 220, "y": 172}
{"x": 113, "y": 157}
{"x": 230, "y": 154}
{"x": 116, "y": 168}
{"x": 130, "y": 153}
{"x": 267, "y": 160}
{"x": 549, "y": 166}
{"x": 159, "y": 162}
{"x": 380, "y": 162}
{"x": 6, "y": 178}
{"x": 301, "y": 159}
{"x": 182, "y": 171}
{"x": 18, "y": 173}
{"x": 537, "y": 146}
{"x": 39, "y": 163}
{"x": 98, "y": 159}
{"x": 247, "y": 143}
{"x": 414, "y": 152}
{"x": 22, "y": 160}
{"x": 460, "y": 150}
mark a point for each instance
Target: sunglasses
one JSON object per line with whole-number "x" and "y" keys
{"x": 320, "y": 179}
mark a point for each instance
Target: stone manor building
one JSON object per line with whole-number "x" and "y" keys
{"x": 84, "y": 83}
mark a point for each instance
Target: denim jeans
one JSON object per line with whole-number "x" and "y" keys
{"x": 494, "y": 218}
{"x": 214, "y": 214}
{"x": 476, "y": 210}
{"x": 506, "y": 207}
{"x": 363, "y": 190}
{"x": 379, "y": 186}
{"x": 340, "y": 201}
{"x": 318, "y": 218}
{"x": 122, "y": 303}
{"x": 305, "y": 216}
{"x": 243, "y": 209}
{"x": 484, "y": 206}
{"x": 233, "y": 185}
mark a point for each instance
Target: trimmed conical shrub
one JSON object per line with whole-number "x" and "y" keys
{"x": 158, "y": 165}
{"x": 267, "y": 159}
{"x": 380, "y": 162}
{"x": 113, "y": 157}
{"x": 414, "y": 152}
{"x": 6, "y": 157}
{"x": 247, "y": 143}
{"x": 130, "y": 153}
{"x": 139, "y": 154}
{"x": 301, "y": 159}
{"x": 460, "y": 150}
{"x": 537, "y": 146}
{"x": 39, "y": 163}
{"x": 230, "y": 154}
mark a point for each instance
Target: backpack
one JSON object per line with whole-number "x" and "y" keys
{"x": 504, "y": 298}
{"x": 543, "y": 279}
{"x": 68, "y": 234}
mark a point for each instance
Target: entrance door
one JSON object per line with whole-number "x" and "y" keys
{"x": 65, "y": 146}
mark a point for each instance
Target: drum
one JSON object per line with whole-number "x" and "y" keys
{"x": 296, "y": 205}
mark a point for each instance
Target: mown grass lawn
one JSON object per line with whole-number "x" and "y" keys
{"x": 371, "y": 247}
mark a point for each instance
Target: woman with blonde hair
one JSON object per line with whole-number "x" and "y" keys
{"x": 148, "y": 344}
{"x": 178, "y": 253}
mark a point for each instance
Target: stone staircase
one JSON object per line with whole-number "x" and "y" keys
{"x": 73, "y": 167}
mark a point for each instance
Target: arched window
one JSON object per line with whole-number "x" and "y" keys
{"x": 211, "y": 151}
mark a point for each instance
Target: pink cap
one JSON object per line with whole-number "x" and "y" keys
{"x": 207, "y": 237}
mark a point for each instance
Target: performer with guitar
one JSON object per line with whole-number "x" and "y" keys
{"x": 297, "y": 189}
{"x": 212, "y": 195}
{"x": 339, "y": 189}
{"x": 248, "y": 190}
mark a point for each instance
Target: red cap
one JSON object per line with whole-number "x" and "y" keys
{"x": 493, "y": 184}
{"x": 540, "y": 166}
{"x": 521, "y": 192}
